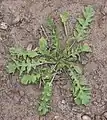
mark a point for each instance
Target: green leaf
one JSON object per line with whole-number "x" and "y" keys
{"x": 85, "y": 48}
{"x": 28, "y": 79}
{"x": 11, "y": 68}
{"x": 81, "y": 92}
{"x": 88, "y": 12}
{"x": 25, "y": 79}
{"x": 81, "y": 21}
{"x": 23, "y": 67}
{"x": 78, "y": 101}
{"x": 14, "y": 51}
{"x": 43, "y": 109}
{"x": 50, "y": 23}
{"x": 32, "y": 54}
{"x": 29, "y": 65}
{"x": 43, "y": 45}
{"x": 78, "y": 69}
{"x": 76, "y": 90}
{"x": 45, "y": 99}
{"x": 85, "y": 88}
{"x": 64, "y": 17}
{"x": 19, "y": 52}
{"x": 85, "y": 97}
{"x": 55, "y": 41}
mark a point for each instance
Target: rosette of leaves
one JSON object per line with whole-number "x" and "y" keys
{"x": 41, "y": 65}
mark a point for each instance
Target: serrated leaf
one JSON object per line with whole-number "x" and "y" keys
{"x": 88, "y": 11}
{"x": 43, "y": 45}
{"x": 23, "y": 67}
{"x": 43, "y": 109}
{"x": 82, "y": 98}
{"x": 80, "y": 91}
{"x": 85, "y": 88}
{"x": 45, "y": 99}
{"x": 55, "y": 41}
{"x": 14, "y": 51}
{"x": 85, "y": 98}
{"x": 78, "y": 69}
{"x": 11, "y": 68}
{"x": 78, "y": 28}
{"x": 75, "y": 34}
{"x": 28, "y": 79}
{"x": 85, "y": 48}
{"x": 19, "y": 52}
{"x": 78, "y": 101}
{"x": 25, "y": 79}
{"x": 50, "y": 23}
{"x": 29, "y": 65}
{"x": 76, "y": 90}
{"x": 32, "y": 54}
{"x": 81, "y": 21}
{"x": 64, "y": 17}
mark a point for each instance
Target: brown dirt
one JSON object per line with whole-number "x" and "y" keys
{"x": 23, "y": 18}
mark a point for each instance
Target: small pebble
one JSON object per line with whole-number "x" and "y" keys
{"x": 86, "y": 117}
{"x": 105, "y": 114}
{"x": 63, "y": 101}
{"x": 16, "y": 98}
{"x": 84, "y": 60}
{"x": 62, "y": 106}
{"x": 0, "y": 39}
{"x": 21, "y": 93}
{"x": 3, "y": 26}
{"x": 56, "y": 117}
{"x": 26, "y": 100}
{"x": 29, "y": 47}
{"x": 16, "y": 20}
{"x": 105, "y": 9}
{"x": 73, "y": 20}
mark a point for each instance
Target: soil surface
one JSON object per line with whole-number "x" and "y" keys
{"x": 19, "y": 22}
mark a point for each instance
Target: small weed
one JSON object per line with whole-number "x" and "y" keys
{"x": 41, "y": 65}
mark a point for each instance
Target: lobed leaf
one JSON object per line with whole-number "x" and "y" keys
{"x": 11, "y": 67}
{"x": 83, "y": 23}
{"x": 85, "y": 48}
{"x": 64, "y": 17}
{"x": 50, "y": 23}
{"x": 43, "y": 45}
{"x": 29, "y": 79}
{"x": 45, "y": 99}
{"x": 78, "y": 69}
{"x": 81, "y": 92}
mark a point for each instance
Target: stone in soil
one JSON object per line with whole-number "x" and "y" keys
{"x": 56, "y": 117}
{"x": 21, "y": 93}
{"x": 105, "y": 9}
{"x": 105, "y": 114}
{"x": 17, "y": 99}
{"x": 16, "y": 20}
{"x": 63, "y": 102}
{"x": 86, "y": 117}
{"x": 3, "y": 26}
{"x": 29, "y": 47}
